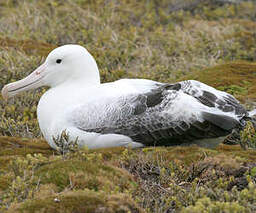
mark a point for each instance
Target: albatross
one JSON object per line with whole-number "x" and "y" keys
{"x": 126, "y": 112}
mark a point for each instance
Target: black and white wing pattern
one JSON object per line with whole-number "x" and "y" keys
{"x": 214, "y": 98}
{"x": 168, "y": 114}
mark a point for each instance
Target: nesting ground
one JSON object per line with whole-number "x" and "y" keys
{"x": 210, "y": 41}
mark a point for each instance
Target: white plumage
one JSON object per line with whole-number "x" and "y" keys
{"x": 127, "y": 112}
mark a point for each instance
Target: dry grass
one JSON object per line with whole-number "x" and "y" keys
{"x": 128, "y": 39}
{"x": 161, "y": 40}
{"x": 120, "y": 180}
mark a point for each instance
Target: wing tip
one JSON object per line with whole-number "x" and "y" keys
{"x": 223, "y": 121}
{"x": 252, "y": 113}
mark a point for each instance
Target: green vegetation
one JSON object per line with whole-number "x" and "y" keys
{"x": 170, "y": 40}
{"x": 122, "y": 180}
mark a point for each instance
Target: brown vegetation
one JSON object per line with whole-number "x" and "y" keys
{"x": 210, "y": 41}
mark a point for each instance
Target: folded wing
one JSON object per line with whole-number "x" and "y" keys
{"x": 168, "y": 114}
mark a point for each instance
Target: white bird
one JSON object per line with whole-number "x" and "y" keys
{"x": 127, "y": 112}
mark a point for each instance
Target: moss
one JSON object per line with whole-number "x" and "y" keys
{"x": 181, "y": 154}
{"x": 28, "y": 46}
{"x": 109, "y": 153}
{"x": 23, "y": 146}
{"x": 236, "y": 151}
{"x": 85, "y": 174}
{"x": 79, "y": 201}
{"x": 160, "y": 40}
{"x": 141, "y": 173}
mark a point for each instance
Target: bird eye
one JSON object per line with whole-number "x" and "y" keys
{"x": 58, "y": 61}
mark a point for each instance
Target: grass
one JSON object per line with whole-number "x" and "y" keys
{"x": 181, "y": 179}
{"x": 210, "y": 41}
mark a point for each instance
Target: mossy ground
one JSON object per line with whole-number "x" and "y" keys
{"x": 210, "y": 41}
{"x": 123, "y": 180}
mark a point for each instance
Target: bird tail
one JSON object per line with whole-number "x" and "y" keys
{"x": 252, "y": 113}
{"x": 234, "y": 137}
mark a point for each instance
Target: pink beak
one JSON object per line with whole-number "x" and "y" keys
{"x": 32, "y": 81}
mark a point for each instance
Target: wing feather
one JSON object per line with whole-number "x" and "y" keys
{"x": 169, "y": 114}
